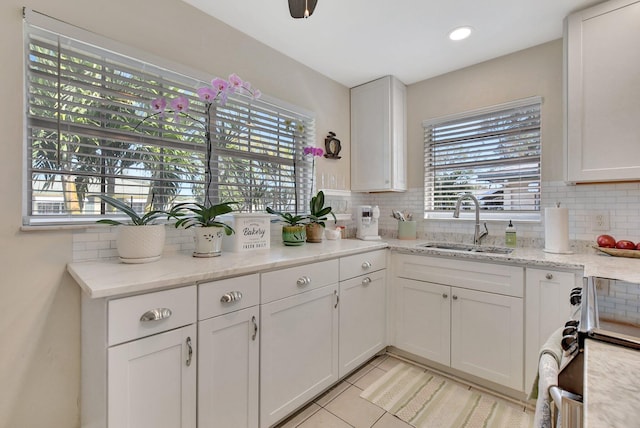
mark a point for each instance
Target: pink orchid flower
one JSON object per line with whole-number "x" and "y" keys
{"x": 314, "y": 151}
{"x": 159, "y": 104}
{"x": 220, "y": 85}
{"x": 180, "y": 104}
{"x": 235, "y": 82}
{"x": 207, "y": 94}
{"x": 256, "y": 94}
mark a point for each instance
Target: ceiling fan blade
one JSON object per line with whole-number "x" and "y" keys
{"x": 297, "y": 7}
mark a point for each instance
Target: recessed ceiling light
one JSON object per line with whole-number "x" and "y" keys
{"x": 460, "y": 33}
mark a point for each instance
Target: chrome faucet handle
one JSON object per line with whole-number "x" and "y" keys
{"x": 485, "y": 233}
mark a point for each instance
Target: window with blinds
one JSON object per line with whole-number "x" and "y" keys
{"x": 89, "y": 132}
{"x": 493, "y": 154}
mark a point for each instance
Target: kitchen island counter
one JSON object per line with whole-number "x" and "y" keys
{"x": 612, "y": 385}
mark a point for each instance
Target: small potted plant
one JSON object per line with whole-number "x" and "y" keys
{"x": 136, "y": 244}
{"x": 208, "y": 231}
{"x": 317, "y": 217}
{"x": 293, "y": 230}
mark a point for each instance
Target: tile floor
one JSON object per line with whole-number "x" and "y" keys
{"x": 342, "y": 407}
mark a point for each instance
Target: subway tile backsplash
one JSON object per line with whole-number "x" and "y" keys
{"x": 621, "y": 201}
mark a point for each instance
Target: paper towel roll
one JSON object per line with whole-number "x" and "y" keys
{"x": 556, "y": 230}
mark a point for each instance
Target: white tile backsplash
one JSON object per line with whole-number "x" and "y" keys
{"x": 620, "y": 200}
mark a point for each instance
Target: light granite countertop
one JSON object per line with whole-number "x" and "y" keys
{"x": 601, "y": 265}
{"x": 612, "y": 386}
{"x": 110, "y": 278}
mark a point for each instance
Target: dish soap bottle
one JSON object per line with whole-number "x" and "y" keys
{"x": 510, "y": 235}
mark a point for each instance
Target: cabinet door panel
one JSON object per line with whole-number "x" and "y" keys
{"x": 487, "y": 336}
{"x": 547, "y": 309}
{"x": 298, "y": 351}
{"x": 150, "y": 383}
{"x": 423, "y": 319}
{"x": 228, "y": 370}
{"x": 362, "y": 319}
{"x": 602, "y": 91}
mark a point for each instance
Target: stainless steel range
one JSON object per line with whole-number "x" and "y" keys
{"x": 606, "y": 315}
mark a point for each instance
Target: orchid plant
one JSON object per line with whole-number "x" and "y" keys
{"x": 215, "y": 94}
{"x": 314, "y": 152}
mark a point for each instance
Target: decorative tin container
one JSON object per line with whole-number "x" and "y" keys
{"x": 253, "y": 232}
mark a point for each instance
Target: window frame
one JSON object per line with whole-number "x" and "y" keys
{"x": 486, "y": 214}
{"x": 34, "y": 21}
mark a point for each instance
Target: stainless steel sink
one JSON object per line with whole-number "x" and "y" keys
{"x": 466, "y": 248}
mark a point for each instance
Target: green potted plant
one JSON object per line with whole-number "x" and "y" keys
{"x": 316, "y": 218}
{"x": 208, "y": 231}
{"x": 136, "y": 244}
{"x": 293, "y": 230}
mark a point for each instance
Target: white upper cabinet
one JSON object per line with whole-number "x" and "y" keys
{"x": 602, "y": 83}
{"x": 378, "y": 136}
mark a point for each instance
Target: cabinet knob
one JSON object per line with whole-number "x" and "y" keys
{"x": 156, "y": 314}
{"x": 549, "y": 276}
{"x": 455, "y": 297}
{"x": 445, "y": 295}
{"x": 303, "y": 280}
{"x": 366, "y": 265}
{"x": 366, "y": 281}
{"x": 232, "y": 296}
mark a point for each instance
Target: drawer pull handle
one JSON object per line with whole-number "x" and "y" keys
{"x": 304, "y": 280}
{"x": 455, "y": 297}
{"x": 445, "y": 295}
{"x": 366, "y": 281}
{"x": 366, "y": 265}
{"x": 156, "y": 314}
{"x": 255, "y": 328}
{"x": 549, "y": 276}
{"x": 335, "y": 292}
{"x": 231, "y": 296}
{"x": 189, "y": 351}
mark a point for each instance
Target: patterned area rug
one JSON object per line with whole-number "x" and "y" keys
{"x": 426, "y": 400}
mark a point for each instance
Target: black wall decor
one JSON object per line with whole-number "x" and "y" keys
{"x": 332, "y": 146}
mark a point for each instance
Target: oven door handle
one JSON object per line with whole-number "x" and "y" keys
{"x": 570, "y": 406}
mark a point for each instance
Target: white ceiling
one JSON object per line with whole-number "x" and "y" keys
{"x": 355, "y": 41}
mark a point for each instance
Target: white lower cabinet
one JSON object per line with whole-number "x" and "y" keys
{"x": 547, "y": 309}
{"x": 152, "y": 381}
{"x": 438, "y": 318}
{"x": 487, "y": 336}
{"x": 139, "y": 360}
{"x": 423, "y": 319}
{"x": 299, "y": 337}
{"x": 229, "y": 351}
{"x": 362, "y": 319}
{"x": 299, "y": 351}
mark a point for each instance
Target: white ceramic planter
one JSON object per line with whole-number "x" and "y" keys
{"x": 140, "y": 244}
{"x": 208, "y": 241}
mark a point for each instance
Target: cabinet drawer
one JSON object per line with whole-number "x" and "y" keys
{"x": 287, "y": 282}
{"x": 125, "y": 315}
{"x": 228, "y": 295}
{"x": 489, "y": 277}
{"x": 360, "y": 264}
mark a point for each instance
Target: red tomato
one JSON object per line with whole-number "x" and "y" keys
{"x": 606, "y": 241}
{"x": 638, "y": 246}
{"x": 623, "y": 244}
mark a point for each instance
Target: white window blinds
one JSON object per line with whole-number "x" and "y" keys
{"x": 493, "y": 154}
{"x": 86, "y": 135}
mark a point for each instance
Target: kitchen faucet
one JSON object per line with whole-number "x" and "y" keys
{"x": 477, "y": 236}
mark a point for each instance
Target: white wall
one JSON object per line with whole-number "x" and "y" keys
{"x": 39, "y": 302}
